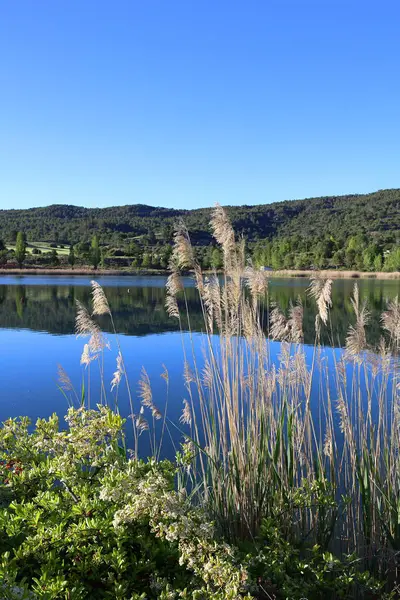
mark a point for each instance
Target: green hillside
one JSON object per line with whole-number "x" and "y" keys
{"x": 354, "y": 231}
{"x": 376, "y": 213}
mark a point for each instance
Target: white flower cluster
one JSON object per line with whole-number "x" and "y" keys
{"x": 148, "y": 496}
{"x": 84, "y": 442}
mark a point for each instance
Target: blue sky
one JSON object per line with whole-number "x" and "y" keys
{"x": 184, "y": 103}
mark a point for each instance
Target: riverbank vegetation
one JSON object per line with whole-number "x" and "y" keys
{"x": 287, "y": 481}
{"x": 358, "y": 233}
{"x": 356, "y": 258}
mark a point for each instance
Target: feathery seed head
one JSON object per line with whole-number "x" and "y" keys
{"x": 141, "y": 424}
{"x": 186, "y": 416}
{"x": 86, "y": 357}
{"x": 356, "y": 340}
{"x": 84, "y": 324}
{"x": 118, "y": 373}
{"x": 278, "y": 324}
{"x": 296, "y": 322}
{"x": 212, "y": 301}
{"x": 188, "y": 374}
{"x": 391, "y": 321}
{"x": 198, "y": 277}
{"x": 183, "y": 251}
{"x": 99, "y": 299}
{"x": 208, "y": 376}
{"x": 98, "y": 342}
{"x": 321, "y": 290}
{"x": 173, "y": 286}
{"x": 64, "y": 380}
{"x": 257, "y": 281}
{"x": 165, "y": 374}
{"x": 222, "y": 229}
{"x": 171, "y": 306}
{"x": 287, "y": 329}
{"x": 145, "y": 392}
{"x": 328, "y": 445}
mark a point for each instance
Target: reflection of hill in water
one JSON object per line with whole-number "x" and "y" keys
{"x": 51, "y": 308}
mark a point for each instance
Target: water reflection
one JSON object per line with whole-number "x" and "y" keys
{"x": 139, "y": 306}
{"x": 37, "y": 324}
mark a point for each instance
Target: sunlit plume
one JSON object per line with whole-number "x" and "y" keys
{"x": 356, "y": 340}
{"x": 84, "y": 324}
{"x": 146, "y": 394}
{"x": 321, "y": 290}
{"x": 100, "y": 302}
{"x": 391, "y": 321}
{"x": 186, "y": 416}
{"x": 222, "y": 230}
{"x": 116, "y": 380}
{"x": 173, "y": 287}
{"x": 182, "y": 251}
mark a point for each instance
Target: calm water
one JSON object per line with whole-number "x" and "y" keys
{"x": 37, "y": 324}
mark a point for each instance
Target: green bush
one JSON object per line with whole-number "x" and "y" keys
{"x": 79, "y": 520}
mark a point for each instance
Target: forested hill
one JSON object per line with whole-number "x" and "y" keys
{"x": 376, "y": 215}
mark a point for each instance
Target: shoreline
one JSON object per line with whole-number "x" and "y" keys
{"x": 83, "y": 271}
{"x": 284, "y": 273}
{"x": 335, "y": 274}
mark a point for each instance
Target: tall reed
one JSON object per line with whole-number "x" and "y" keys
{"x": 309, "y": 439}
{"x": 306, "y": 438}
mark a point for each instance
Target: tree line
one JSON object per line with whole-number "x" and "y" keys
{"x": 134, "y": 255}
{"x": 356, "y": 252}
{"x": 359, "y": 232}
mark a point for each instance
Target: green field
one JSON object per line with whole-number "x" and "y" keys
{"x": 43, "y": 247}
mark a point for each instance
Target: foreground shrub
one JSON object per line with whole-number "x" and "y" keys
{"x": 79, "y": 520}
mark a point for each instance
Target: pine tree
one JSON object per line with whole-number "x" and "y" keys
{"x": 146, "y": 260}
{"x": 20, "y": 248}
{"x": 378, "y": 263}
{"x": 95, "y": 255}
{"x": 71, "y": 256}
{"x": 54, "y": 260}
{"x": 216, "y": 259}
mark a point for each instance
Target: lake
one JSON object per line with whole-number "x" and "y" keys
{"x": 37, "y": 334}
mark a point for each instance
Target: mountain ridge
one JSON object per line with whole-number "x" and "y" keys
{"x": 183, "y": 210}
{"x": 374, "y": 213}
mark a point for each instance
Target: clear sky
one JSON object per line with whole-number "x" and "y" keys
{"x": 183, "y": 103}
